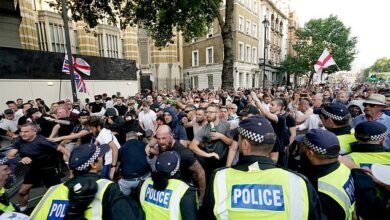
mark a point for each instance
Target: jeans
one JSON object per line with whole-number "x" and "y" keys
{"x": 127, "y": 185}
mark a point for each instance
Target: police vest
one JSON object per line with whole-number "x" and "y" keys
{"x": 260, "y": 194}
{"x": 162, "y": 204}
{"x": 366, "y": 159}
{"x": 339, "y": 186}
{"x": 6, "y": 208}
{"x": 55, "y": 202}
{"x": 345, "y": 141}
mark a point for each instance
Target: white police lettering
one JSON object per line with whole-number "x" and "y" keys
{"x": 350, "y": 189}
{"x": 160, "y": 198}
{"x": 57, "y": 209}
{"x": 258, "y": 196}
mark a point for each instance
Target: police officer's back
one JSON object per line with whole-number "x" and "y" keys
{"x": 319, "y": 161}
{"x": 369, "y": 149}
{"x": 164, "y": 196}
{"x": 256, "y": 188}
{"x": 86, "y": 196}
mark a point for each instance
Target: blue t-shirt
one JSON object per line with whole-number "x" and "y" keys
{"x": 132, "y": 159}
{"x": 42, "y": 152}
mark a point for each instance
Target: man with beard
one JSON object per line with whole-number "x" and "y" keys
{"x": 373, "y": 106}
{"x": 105, "y": 136}
{"x": 215, "y": 139}
{"x": 319, "y": 162}
{"x": 190, "y": 168}
{"x": 336, "y": 119}
{"x": 96, "y": 107}
{"x": 197, "y": 122}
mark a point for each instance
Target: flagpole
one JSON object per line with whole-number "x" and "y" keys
{"x": 69, "y": 49}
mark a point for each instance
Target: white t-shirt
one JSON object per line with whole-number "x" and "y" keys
{"x": 9, "y": 125}
{"x": 148, "y": 119}
{"x": 105, "y": 136}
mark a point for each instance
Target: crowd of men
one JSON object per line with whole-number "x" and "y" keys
{"x": 280, "y": 153}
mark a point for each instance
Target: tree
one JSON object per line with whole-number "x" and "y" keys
{"x": 292, "y": 65}
{"x": 318, "y": 34}
{"x": 380, "y": 66}
{"x": 162, "y": 19}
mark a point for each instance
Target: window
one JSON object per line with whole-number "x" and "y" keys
{"x": 57, "y": 38}
{"x": 209, "y": 55}
{"x": 255, "y": 6}
{"x": 248, "y": 26}
{"x": 42, "y": 37}
{"x": 210, "y": 81}
{"x": 195, "y": 81}
{"x": 241, "y": 23}
{"x": 254, "y": 30}
{"x": 254, "y": 55}
{"x": 210, "y": 31}
{"x": 112, "y": 46}
{"x": 248, "y": 53}
{"x": 240, "y": 51}
{"x": 193, "y": 40}
{"x": 195, "y": 58}
{"x": 101, "y": 47}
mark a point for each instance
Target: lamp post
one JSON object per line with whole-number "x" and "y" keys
{"x": 266, "y": 24}
{"x": 189, "y": 81}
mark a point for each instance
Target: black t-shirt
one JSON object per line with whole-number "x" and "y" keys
{"x": 96, "y": 107}
{"x": 42, "y": 152}
{"x": 65, "y": 129}
{"x": 281, "y": 132}
{"x": 22, "y": 120}
{"x": 45, "y": 125}
{"x": 132, "y": 159}
{"x": 122, "y": 109}
{"x": 187, "y": 159}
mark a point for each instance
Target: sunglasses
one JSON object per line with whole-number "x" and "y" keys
{"x": 196, "y": 101}
{"x": 187, "y": 111}
{"x": 367, "y": 104}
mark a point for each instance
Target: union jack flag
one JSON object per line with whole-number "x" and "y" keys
{"x": 82, "y": 67}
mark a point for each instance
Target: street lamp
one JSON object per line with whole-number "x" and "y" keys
{"x": 266, "y": 24}
{"x": 189, "y": 81}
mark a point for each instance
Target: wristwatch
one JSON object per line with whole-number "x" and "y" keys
{"x": 113, "y": 165}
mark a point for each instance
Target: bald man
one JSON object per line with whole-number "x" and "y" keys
{"x": 189, "y": 165}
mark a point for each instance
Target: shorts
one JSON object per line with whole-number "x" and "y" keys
{"x": 71, "y": 146}
{"x": 49, "y": 177}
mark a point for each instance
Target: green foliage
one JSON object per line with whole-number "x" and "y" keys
{"x": 318, "y": 34}
{"x": 380, "y": 67}
{"x": 161, "y": 18}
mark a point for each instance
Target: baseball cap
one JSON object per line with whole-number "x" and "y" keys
{"x": 83, "y": 156}
{"x": 84, "y": 113}
{"x": 31, "y": 111}
{"x": 320, "y": 141}
{"x": 8, "y": 111}
{"x": 256, "y": 128}
{"x": 335, "y": 111}
{"x": 370, "y": 131}
{"x": 168, "y": 163}
{"x": 111, "y": 112}
{"x": 381, "y": 173}
{"x": 249, "y": 109}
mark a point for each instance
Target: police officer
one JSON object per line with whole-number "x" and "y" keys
{"x": 5, "y": 172}
{"x": 164, "y": 196}
{"x": 256, "y": 188}
{"x": 86, "y": 196}
{"x": 319, "y": 160}
{"x": 369, "y": 147}
{"x": 336, "y": 118}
